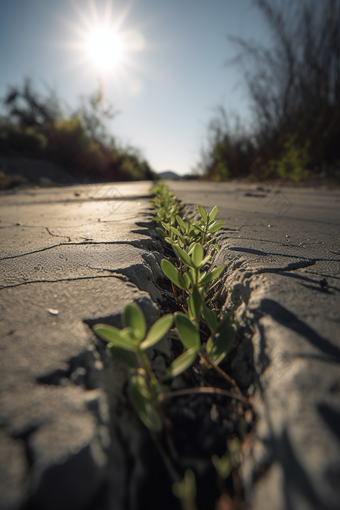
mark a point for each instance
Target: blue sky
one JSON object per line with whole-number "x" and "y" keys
{"x": 172, "y": 74}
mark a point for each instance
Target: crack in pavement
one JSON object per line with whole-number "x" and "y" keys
{"x": 95, "y": 222}
{"x": 87, "y": 200}
{"x": 56, "y": 235}
{"x": 81, "y": 243}
{"x": 118, "y": 275}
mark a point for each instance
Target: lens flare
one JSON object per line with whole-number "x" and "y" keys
{"x": 105, "y": 45}
{"x": 105, "y": 48}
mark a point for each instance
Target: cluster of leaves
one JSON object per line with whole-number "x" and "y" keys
{"x": 37, "y": 126}
{"x": 178, "y": 232}
{"x": 194, "y": 243}
{"x": 293, "y": 162}
{"x": 293, "y": 83}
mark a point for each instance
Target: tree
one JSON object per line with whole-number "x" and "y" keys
{"x": 294, "y": 84}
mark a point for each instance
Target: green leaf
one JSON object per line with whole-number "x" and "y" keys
{"x": 195, "y": 304}
{"x": 157, "y": 331}
{"x": 216, "y": 226}
{"x": 222, "y": 465}
{"x": 202, "y": 213}
{"x": 166, "y": 226}
{"x": 210, "y": 318}
{"x": 220, "y": 343}
{"x": 191, "y": 274}
{"x": 124, "y": 357}
{"x": 181, "y": 363}
{"x": 143, "y": 406}
{"x": 181, "y": 254}
{"x": 112, "y": 335}
{"x": 187, "y": 331}
{"x": 175, "y": 231}
{"x": 160, "y": 232}
{"x": 212, "y": 213}
{"x": 186, "y": 280}
{"x": 191, "y": 248}
{"x": 155, "y": 388}
{"x": 197, "y": 255}
{"x": 184, "y": 226}
{"x": 212, "y": 275}
{"x": 134, "y": 318}
{"x": 225, "y": 323}
{"x": 171, "y": 272}
{"x": 186, "y": 490}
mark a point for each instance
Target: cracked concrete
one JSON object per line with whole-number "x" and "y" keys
{"x": 282, "y": 250}
{"x": 71, "y": 258}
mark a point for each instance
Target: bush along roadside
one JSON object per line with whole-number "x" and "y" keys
{"x": 199, "y": 428}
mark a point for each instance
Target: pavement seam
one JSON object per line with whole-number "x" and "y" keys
{"x": 80, "y": 243}
{"x": 118, "y": 275}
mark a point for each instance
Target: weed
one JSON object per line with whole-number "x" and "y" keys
{"x": 197, "y": 326}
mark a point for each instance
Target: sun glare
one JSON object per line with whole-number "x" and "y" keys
{"x": 105, "y": 44}
{"x": 105, "y": 48}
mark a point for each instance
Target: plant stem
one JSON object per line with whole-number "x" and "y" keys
{"x": 190, "y": 391}
{"x": 221, "y": 372}
{"x": 145, "y": 364}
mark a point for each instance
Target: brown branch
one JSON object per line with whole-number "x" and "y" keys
{"x": 190, "y": 391}
{"x": 221, "y": 372}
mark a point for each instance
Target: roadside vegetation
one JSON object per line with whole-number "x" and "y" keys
{"x": 78, "y": 140}
{"x": 202, "y": 337}
{"x": 294, "y": 91}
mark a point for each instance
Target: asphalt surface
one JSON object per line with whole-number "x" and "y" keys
{"x": 282, "y": 251}
{"x": 70, "y": 257}
{"x": 74, "y": 256}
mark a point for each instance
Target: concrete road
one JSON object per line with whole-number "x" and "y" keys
{"x": 74, "y": 256}
{"x": 282, "y": 250}
{"x": 70, "y": 257}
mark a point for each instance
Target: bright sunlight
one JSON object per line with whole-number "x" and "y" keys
{"x": 105, "y": 48}
{"x": 103, "y": 41}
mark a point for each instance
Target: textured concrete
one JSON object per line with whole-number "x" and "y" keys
{"x": 70, "y": 258}
{"x": 282, "y": 249}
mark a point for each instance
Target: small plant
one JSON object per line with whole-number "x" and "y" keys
{"x": 128, "y": 346}
{"x": 186, "y": 491}
{"x": 197, "y": 326}
{"x": 230, "y": 459}
{"x": 295, "y": 158}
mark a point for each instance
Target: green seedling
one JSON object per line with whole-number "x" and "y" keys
{"x": 186, "y": 491}
{"x": 194, "y": 263}
{"x": 128, "y": 346}
{"x": 231, "y": 459}
{"x": 186, "y": 234}
{"x": 189, "y": 241}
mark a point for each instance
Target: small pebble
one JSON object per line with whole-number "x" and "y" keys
{"x": 52, "y": 311}
{"x": 269, "y": 225}
{"x": 287, "y": 236}
{"x": 324, "y": 283}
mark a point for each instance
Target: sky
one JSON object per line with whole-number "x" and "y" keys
{"x": 167, "y": 71}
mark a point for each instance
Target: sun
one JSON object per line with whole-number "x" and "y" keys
{"x": 105, "y": 48}
{"x": 103, "y": 44}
